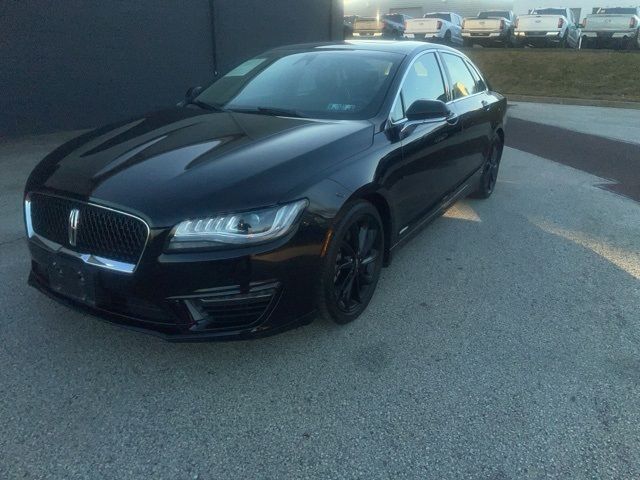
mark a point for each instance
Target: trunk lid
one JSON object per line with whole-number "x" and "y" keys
{"x": 538, "y": 23}
{"x": 479, "y": 24}
{"x": 367, "y": 25}
{"x": 422, "y": 25}
{"x": 608, "y": 22}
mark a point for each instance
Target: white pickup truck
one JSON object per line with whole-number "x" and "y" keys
{"x": 616, "y": 26}
{"x": 441, "y": 27}
{"x": 548, "y": 26}
{"x": 490, "y": 27}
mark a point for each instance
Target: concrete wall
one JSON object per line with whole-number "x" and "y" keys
{"x": 81, "y": 63}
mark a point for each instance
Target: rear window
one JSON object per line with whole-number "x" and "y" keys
{"x": 485, "y": 15}
{"x": 550, "y": 11}
{"x": 617, "y": 11}
{"x": 442, "y": 16}
{"x": 394, "y": 18}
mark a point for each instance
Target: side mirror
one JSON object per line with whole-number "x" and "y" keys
{"x": 192, "y": 93}
{"x": 427, "y": 110}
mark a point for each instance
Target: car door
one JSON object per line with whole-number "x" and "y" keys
{"x": 457, "y": 29}
{"x": 426, "y": 171}
{"x": 574, "y": 31}
{"x": 473, "y": 107}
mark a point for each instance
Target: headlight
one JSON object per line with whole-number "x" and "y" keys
{"x": 246, "y": 228}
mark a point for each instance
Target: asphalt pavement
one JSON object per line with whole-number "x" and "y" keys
{"x": 502, "y": 343}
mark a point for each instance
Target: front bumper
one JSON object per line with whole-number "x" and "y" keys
{"x": 192, "y": 296}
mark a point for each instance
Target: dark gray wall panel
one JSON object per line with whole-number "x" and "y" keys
{"x": 81, "y": 63}
{"x": 71, "y": 64}
{"x": 245, "y": 28}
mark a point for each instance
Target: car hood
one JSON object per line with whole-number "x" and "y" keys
{"x": 186, "y": 162}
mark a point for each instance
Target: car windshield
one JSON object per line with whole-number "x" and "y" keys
{"x": 441, "y": 16}
{"x": 332, "y": 84}
{"x": 485, "y": 15}
{"x": 617, "y": 11}
{"x": 549, "y": 11}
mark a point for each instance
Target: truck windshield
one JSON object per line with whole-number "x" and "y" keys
{"x": 617, "y": 11}
{"x": 549, "y": 11}
{"x": 442, "y": 16}
{"x": 332, "y": 84}
{"x": 485, "y": 15}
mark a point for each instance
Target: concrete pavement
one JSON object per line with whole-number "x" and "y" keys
{"x": 502, "y": 343}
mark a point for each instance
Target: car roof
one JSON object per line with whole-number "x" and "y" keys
{"x": 404, "y": 47}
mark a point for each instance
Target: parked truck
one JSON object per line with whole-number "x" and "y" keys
{"x": 438, "y": 27}
{"x": 489, "y": 28}
{"x": 547, "y": 27}
{"x": 612, "y": 27}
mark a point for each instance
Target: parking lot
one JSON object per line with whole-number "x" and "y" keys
{"x": 503, "y": 343}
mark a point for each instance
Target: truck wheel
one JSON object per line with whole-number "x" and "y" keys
{"x": 563, "y": 42}
{"x": 634, "y": 42}
{"x": 447, "y": 38}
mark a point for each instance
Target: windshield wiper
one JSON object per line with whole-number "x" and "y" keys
{"x": 269, "y": 111}
{"x": 207, "y": 106}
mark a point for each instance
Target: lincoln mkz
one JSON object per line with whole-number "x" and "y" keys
{"x": 276, "y": 193}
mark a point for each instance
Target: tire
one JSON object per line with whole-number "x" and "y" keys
{"x": 447, "y": 38}
{"x": 350, "y": 269}
{"x": 489, "y": 177}
{"x": 563, "y": 42}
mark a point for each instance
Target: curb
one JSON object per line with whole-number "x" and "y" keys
{"x": 574, "y": 101}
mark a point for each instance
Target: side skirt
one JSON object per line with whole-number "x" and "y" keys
{"x": 462, "y": 191}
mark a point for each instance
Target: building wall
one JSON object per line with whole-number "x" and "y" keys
{"x": 80, "y": 63}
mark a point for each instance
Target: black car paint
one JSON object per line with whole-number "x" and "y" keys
{"x": 186, "y": 162}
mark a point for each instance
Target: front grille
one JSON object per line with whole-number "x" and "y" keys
{"x": 101, "y": 231}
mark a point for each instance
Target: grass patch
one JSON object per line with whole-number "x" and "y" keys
{"x": 586, "y": 74}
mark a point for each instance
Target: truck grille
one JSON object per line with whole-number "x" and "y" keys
{"x": 100, "y": 231}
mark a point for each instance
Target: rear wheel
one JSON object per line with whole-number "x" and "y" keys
{"x": 563, "y": 42}
{"x": 490, "y": 170}
{"x": 447, "y": 38}
{"x": 351, "y": 266}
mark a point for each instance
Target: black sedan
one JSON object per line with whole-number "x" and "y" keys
{"x": 276, "y": 193}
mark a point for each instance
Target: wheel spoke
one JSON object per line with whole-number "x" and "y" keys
{"x": 372, "y": 257}
{"x": 370, "y": 239}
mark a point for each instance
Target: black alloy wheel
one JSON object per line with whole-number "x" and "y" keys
{"x": 352, "y": 263}
{"x": 490, "y": 170}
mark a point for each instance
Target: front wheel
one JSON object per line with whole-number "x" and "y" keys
{"x": 490, "y": 169}
{"x": 351, "y": 265}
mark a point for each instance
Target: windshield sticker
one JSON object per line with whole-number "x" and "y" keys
{"x": 341, "y": 107}
{"x": 246, "y": 67}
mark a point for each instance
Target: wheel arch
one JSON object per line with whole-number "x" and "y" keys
{"x": 382, "y": 205}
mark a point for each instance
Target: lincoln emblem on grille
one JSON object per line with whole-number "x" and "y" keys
{"x": 74, "y": 218}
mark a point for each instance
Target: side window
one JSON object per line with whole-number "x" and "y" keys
{"x": 462, "y": 82}
{"x": 480, "y": 85}
{"x": 398, "y": 112}
{"x": 424, "y": 81}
